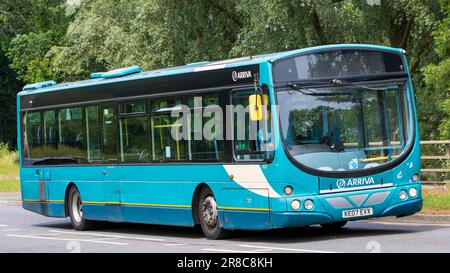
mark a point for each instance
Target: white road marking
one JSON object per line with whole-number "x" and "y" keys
{"x": 174, "y": 244}
{"x": 287, "y": 249}
{"x": 413, "y": 224}
{"x": 109, "y": 235}
{"x": 64, "y": 239}
{"x": 3, "y": 225}
{"x": 263, "y": 250}
{"x": 228, "y": 250}
{"x": 11, "y": 229}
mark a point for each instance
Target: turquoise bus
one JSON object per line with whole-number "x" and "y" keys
{"x": 328, "y": 135}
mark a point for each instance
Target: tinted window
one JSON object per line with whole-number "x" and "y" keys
{"x": 50, "y": 132}
{"x": 109, "y": 147}
{"x": 252, "y": 139}
{"x": 93, "y": 134}
{"x": 330, "y": 64}
{"x": 71, "y": 132}
{"x": 165, "y": 147}
{"x": 133, "y": 107}
{"x": 206, "y": 128}
{"x": 33, "y": 134}
{"x": 134, "y": 135}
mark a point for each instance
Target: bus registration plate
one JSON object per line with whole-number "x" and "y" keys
{"x": 357, "y": 212}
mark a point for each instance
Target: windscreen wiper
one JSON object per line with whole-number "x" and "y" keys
{"x": 304, "y": 91}
{"x": 338, "y": 82}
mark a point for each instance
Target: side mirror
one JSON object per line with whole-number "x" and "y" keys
{"x": 256, "y": 109}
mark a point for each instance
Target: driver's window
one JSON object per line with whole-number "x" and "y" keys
{"x": 133, "y": 132}
{"x": 253, "y": 140}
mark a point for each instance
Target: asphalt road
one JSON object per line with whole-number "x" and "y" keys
{"x": 23, "y": 231}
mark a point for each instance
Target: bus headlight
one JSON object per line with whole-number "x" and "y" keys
{"x": 415, "y": 177}
{"x": 295, "y": 205}
{"x": 309, "y": 204}
{"x": 403, "y": 195}
{"x": 413, "y": 192}
{"x": 288, "y": 190}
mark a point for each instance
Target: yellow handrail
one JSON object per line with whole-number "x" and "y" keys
{"x": 378, "y": 158}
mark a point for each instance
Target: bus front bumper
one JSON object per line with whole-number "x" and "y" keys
{"x": 330, "y": 208}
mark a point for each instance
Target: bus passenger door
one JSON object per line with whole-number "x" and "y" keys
{"x": 111, "y": 186}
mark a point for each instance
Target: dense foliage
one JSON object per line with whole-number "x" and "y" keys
{"x": 67, "y": 40}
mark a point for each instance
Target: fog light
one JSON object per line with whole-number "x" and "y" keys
{"x": 413, "y": 192}
{"x": 288, "y": 190}
{"x": 415, "y": 177}
{"x": 295, "y": 205}
{"x": 309, "y": 204}
{"x": 403, "y": 195}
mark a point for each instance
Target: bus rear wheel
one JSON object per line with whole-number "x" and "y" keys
{"x": 75, "y": 208}
{"x": 334, "y": 226}
{"x": 209, "y": 216}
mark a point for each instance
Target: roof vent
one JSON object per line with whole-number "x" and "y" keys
{"x": 97, "y": 75}
{"x": 38, "y": 85}
{"x": 117, "y": 72}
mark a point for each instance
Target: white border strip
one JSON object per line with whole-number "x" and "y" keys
{"x": 387, "y": 185}
{"x": 209, "y": 67}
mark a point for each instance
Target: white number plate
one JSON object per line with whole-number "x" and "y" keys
{"x": 357, "y": 212}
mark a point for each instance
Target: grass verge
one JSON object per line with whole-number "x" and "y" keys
{"x": 9, "y": 185}
{"x": 436, "y": 201}
{"x": 9, "y": 168}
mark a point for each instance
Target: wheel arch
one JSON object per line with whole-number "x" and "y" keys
{"x": 66, "y": 197}
{"x": 195, "y": 201}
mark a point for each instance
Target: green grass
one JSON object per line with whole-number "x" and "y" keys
{"x": 9, "y": 185}
{"x": 436, "y": 200}
{"x": 9, "y": 168}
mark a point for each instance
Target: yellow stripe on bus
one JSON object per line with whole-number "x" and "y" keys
{"x": 239, "y": 208}
{"x": 148, "y": 205}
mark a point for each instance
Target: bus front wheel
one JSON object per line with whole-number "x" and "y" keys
{"x": 75, "y": 208}
{"x": 209, "y": 216}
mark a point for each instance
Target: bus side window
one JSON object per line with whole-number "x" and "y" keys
{"x": 206, "y": 128}
{"x": 164, "y": 146}
{"x": 32, "y": 138}
{"x": 133, "y": 132}
{"x": 71, "y": 133}
{"x": 50, "y": 130}
{"x": 93, "y": 134}
{"x": 251, "y": 137}
{"x": 109, "y": 147}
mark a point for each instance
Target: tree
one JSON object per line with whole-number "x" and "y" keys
{"x": 438, "y": 75}
{"x": 28, "y": 29}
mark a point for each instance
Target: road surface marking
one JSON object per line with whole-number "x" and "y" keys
{"x": 64, "y": 239}
{"x": 228, "y": 250}
{"x": 108, "y": 235}
{"x": 174, "y": 244}
{"x": 10, "y": 229}
{"x": 414, "y": 224}
{"x": 263, "y": 250}
{"x": 286, "y": 249}
{"x": 3, "y": 225}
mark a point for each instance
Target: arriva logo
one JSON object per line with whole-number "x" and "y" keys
{"x": 354, "y": 182}
{"x": 241, "y": 75}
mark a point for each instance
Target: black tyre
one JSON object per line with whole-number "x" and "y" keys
{"x": 208, "y": 216}
{"x": 334, "y": 226}
{"x": 75, "y": 208}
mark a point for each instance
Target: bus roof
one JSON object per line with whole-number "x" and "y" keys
{"x": 196, "y": 67}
